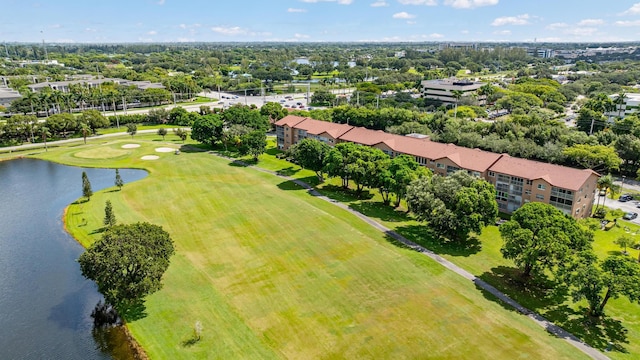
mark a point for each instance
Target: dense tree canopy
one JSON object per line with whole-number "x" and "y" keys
{"x": 128, "y": 262}
{"x": 453, "y": 206}
{"x": 540, "y": 237}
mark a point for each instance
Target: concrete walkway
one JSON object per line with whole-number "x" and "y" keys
{"x": 538, "y": 319}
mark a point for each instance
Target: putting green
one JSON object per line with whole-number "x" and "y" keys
{"x": 272, "y": 272}
{"x": 103, "y": 152}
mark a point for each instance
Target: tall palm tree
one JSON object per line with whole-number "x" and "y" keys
{"x": 604, "y": 184}
{"x": 486, "y": 90}
{"x": 457, "y": 94}
{"x": 44, "y": 131}
{"x": 620, "y": 101}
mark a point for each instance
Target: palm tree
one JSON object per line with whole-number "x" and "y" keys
{"x": 604, "y": 184}
{"x": 84, "y": 129}
{"x": 32, "y": 98}
{"x": 486, "y": 90}
{"x": 44, "y": 131}
{"x": 619, "y": 101}
{"x": 457, "y": 94}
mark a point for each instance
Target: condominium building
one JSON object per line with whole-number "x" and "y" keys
{"x": 443, "y": 90}
{"x": 517, "y": 181}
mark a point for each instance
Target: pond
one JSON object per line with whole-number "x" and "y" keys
{"x": 45, "y": 302}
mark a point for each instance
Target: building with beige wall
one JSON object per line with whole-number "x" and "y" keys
{"x": 517, "y": 181}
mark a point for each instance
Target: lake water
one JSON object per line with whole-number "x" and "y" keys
{"x": 45, "y": 302}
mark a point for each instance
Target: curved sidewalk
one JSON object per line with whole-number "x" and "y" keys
{"x": 537, "y": 318}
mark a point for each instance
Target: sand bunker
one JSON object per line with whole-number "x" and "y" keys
{"x": 150, "y": 157}
{"x": 165, "y": 149}
{"x": 130, "y": 146}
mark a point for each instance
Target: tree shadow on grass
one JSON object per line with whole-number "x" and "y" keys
{"x": 345, "y": 195}
{"x": 238, "y": 163}
{"x": 422, "y": 235}
{"x": 134, "y": 312}
{"x": 603, "y": 333}
{"x": 273, "y": 151}
{"x": 290, "y": 171}
{"x": 535, "y": 293}
{"x": 190, "y": 341}
{"x": 289, "y": 185}
{"x": 191, "y": 148}
{"x": 98, "y": 230}
{"x": 379, "y": 210}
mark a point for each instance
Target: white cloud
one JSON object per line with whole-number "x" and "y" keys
{"x": 160, "y": 2}
{"x": 502, "y": 32}
{"x": 236, "y": 30}
{"x": 628, "y": 23}
{"x": 633, "y": 10}
{"x": 419, "y": 2}
{"x": 181, "y": 39}
{"x": 90, "y": 30}
{"x": 341, "y": 2}
{"x": 56, "y": 26}
{"x": 435, "y": 36}
{"x": 379, "y": 3}
{"x": 556, "y": 26}
{"x": 152, "y": 32}
{"x": 292, "y": 10}
{"x": 511, "y": 20}
{"x": 591, "y": 22}
{"x": 470, "y": 4}
{"x": 403, "y": 15}
{"x": 581, "y": 31}
{"x": 411, "y": 22}
{"x": 464, "y": 31}
{"x": 68, "y": 41}
{"x": 301, "y": 36}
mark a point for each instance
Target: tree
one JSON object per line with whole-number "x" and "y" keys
{"x": 310, "y": 154}
{"x": 109, "y": 216}
{"x": 181, "y": 133}
{"x": 403, "y": 170}
{"x": 604, "y": 184}
{"x": 595, "y": 157}
{"x": 162, "y": 132}
{"x": 453, "y": 206}
{"x": 132, "y": 129}
{"x": 118, "y": 181}
{"x": 624, "y": 242}
{"x": 44, "y": 132}
{"x": 254, "y": 143}
{"x": 86, "y": 186}
{"x": 207, "y": 129}
{"x": 84, "y": 129}
{"x": 597, "y": 282}
{"x": 128, "y": 262}
{"x": 540, "y": 237}
{"x": 323, "y": 97}
{"x": 457, "y": 94}
{"x": 274, "y": 111}
{"x": 94, "y": 119}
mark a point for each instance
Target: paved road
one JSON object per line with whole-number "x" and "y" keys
{"x": 537, "y": 318}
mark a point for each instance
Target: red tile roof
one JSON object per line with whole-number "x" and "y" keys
{"x": 317, "y": 127}
{"x": 556, "y": 175}
{"x": 465, "y": 158}
{"x": 364, "y": 136}
{"x": 290, "y": 120}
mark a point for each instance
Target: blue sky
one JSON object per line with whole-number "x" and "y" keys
{"x": 319, "y": 20}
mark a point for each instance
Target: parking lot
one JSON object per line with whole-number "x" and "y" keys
{"x": 627, "y": 206}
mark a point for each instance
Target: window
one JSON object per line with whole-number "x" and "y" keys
{"x": 492, "y": 174}
{"x": 440, "y": 166}
{"x": 529, "y": 182}
{"x": 540, "y": 197}
{"x": 475, "y": 173}
{"x": 527, "y": 192}
{"x": 541, "y": 187}
{"x": 577, "y": 211}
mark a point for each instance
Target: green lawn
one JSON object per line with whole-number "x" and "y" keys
{"x": 482, "y": 257}
{"x": 272, "y": 272}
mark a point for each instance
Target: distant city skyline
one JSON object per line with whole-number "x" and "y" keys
{"x": 117, "y": 21}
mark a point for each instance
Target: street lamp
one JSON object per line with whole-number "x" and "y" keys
{"x": 622, "y": 185}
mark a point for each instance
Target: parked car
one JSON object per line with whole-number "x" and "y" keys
{"x": 630, "y": 216}
{"x": 625, "y": 198}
